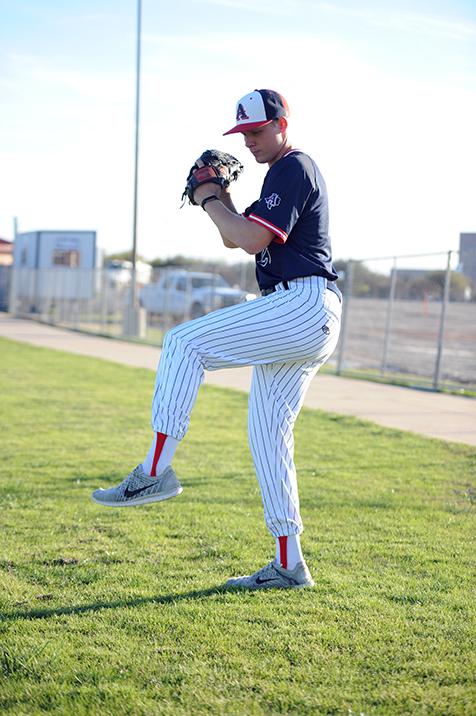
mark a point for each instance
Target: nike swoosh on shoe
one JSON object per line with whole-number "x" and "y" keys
{"x": 131, "y": 493}
{"x": 263, "y": 581}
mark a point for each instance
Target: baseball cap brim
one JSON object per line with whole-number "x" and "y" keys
{"x": 246, "y": 127}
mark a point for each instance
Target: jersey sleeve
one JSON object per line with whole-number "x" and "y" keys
{"x": 285, "y": 192}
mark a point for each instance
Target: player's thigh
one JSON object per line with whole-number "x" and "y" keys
{"x": 279, "y": 389}
{"x": 277, "y": 328}
{"x": 247, "y": 329}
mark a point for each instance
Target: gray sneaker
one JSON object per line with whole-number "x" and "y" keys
{"x": 273, "y": 576}
{"x": 139, "y": 489}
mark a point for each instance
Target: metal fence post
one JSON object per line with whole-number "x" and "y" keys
{"x": 77, "y": 299}
{"x": 441, "y": 332}
{"x": 243, "y": 276}
{"x": 188, "y": 298}
{"x": 166, "y": 318}
{"x": 103, "y": 277}
{"x": 388, "y": 322}
{"x": 13, "y": 291}
{"x": 349, "y": 275}
{"x": 213, "y": 305}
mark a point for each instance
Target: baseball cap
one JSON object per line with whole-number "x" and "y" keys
{"x": 258, "y": 108}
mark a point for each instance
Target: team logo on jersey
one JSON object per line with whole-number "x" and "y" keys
{"x": 272, "y": 201}
{"x": 265, "y": 258}
{"x": 240, "y": 113}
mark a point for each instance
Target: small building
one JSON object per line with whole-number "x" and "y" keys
{"x": 55, "y": 265}
{"x": 467, "y": 255}
{"x": 6, "y": 260}
{"x": 6, "y": 252}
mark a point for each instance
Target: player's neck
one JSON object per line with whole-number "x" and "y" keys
{"x": 287, "y": 147}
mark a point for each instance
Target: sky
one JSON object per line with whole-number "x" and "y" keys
{"x": 382, "y": 96}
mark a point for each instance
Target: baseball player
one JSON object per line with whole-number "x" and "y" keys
{"x": 286, "y": 334}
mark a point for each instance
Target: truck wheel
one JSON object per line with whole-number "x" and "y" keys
{"x": 197, "y": 310}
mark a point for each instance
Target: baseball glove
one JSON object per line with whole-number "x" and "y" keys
{"x": 219, "y": 168}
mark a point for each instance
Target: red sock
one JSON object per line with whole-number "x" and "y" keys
{"x": 288, "y": 551}
{"x": 283, "y": 552}
{"x": 159, "y": 444}
{"x": 160, "y": 454}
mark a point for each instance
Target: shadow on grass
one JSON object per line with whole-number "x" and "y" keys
{"x": 97, "y": 606}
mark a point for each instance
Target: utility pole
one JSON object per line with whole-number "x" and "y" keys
{"x": 133, "y": 323}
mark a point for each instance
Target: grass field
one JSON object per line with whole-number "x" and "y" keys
{"x": 120, "y": 611}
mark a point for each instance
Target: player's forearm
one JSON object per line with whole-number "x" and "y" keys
{"x": 225, "y": 198}
{"x": 236, "y": 229}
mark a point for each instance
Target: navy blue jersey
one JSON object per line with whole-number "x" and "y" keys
{"x": 293, "y": 205}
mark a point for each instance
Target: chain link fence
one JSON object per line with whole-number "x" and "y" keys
{"x": 411, "y": 325}
{"x": 98, "y": 300}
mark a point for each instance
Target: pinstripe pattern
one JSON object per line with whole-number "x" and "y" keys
{"x": 282, "y": 336}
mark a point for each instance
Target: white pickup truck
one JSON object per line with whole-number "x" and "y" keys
{"x": 189, "y": 294}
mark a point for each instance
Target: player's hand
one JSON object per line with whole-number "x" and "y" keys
{"x": 212, "y": 167}
{"x": 225, "y": 192}
{"x": 204, "y": 190}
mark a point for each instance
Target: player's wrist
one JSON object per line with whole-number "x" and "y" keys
{"x": 207, "y": 199}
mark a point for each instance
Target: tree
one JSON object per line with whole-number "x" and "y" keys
{"x": 365, "y": 283}
{"x": 461, "y": 287}
{"x": 122, "y": 256}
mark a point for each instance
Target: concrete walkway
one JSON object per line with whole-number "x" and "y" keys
{"x": 436, "y": 415}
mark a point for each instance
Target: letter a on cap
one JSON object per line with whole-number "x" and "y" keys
{"x": 240, "y": 113}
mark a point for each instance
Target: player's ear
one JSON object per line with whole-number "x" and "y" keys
{"x": 283, "y": 124}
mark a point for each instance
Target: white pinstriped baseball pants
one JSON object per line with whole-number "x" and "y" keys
{"x": 286, "y": 336}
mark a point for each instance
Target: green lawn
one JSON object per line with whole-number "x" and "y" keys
{"x": 109, "y": 611}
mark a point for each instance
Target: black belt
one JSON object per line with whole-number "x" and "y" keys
{"x": 272, "y": 289}
{"x": 330, "y": 285}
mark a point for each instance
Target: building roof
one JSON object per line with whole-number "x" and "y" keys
{"x": 6, "y": 247}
